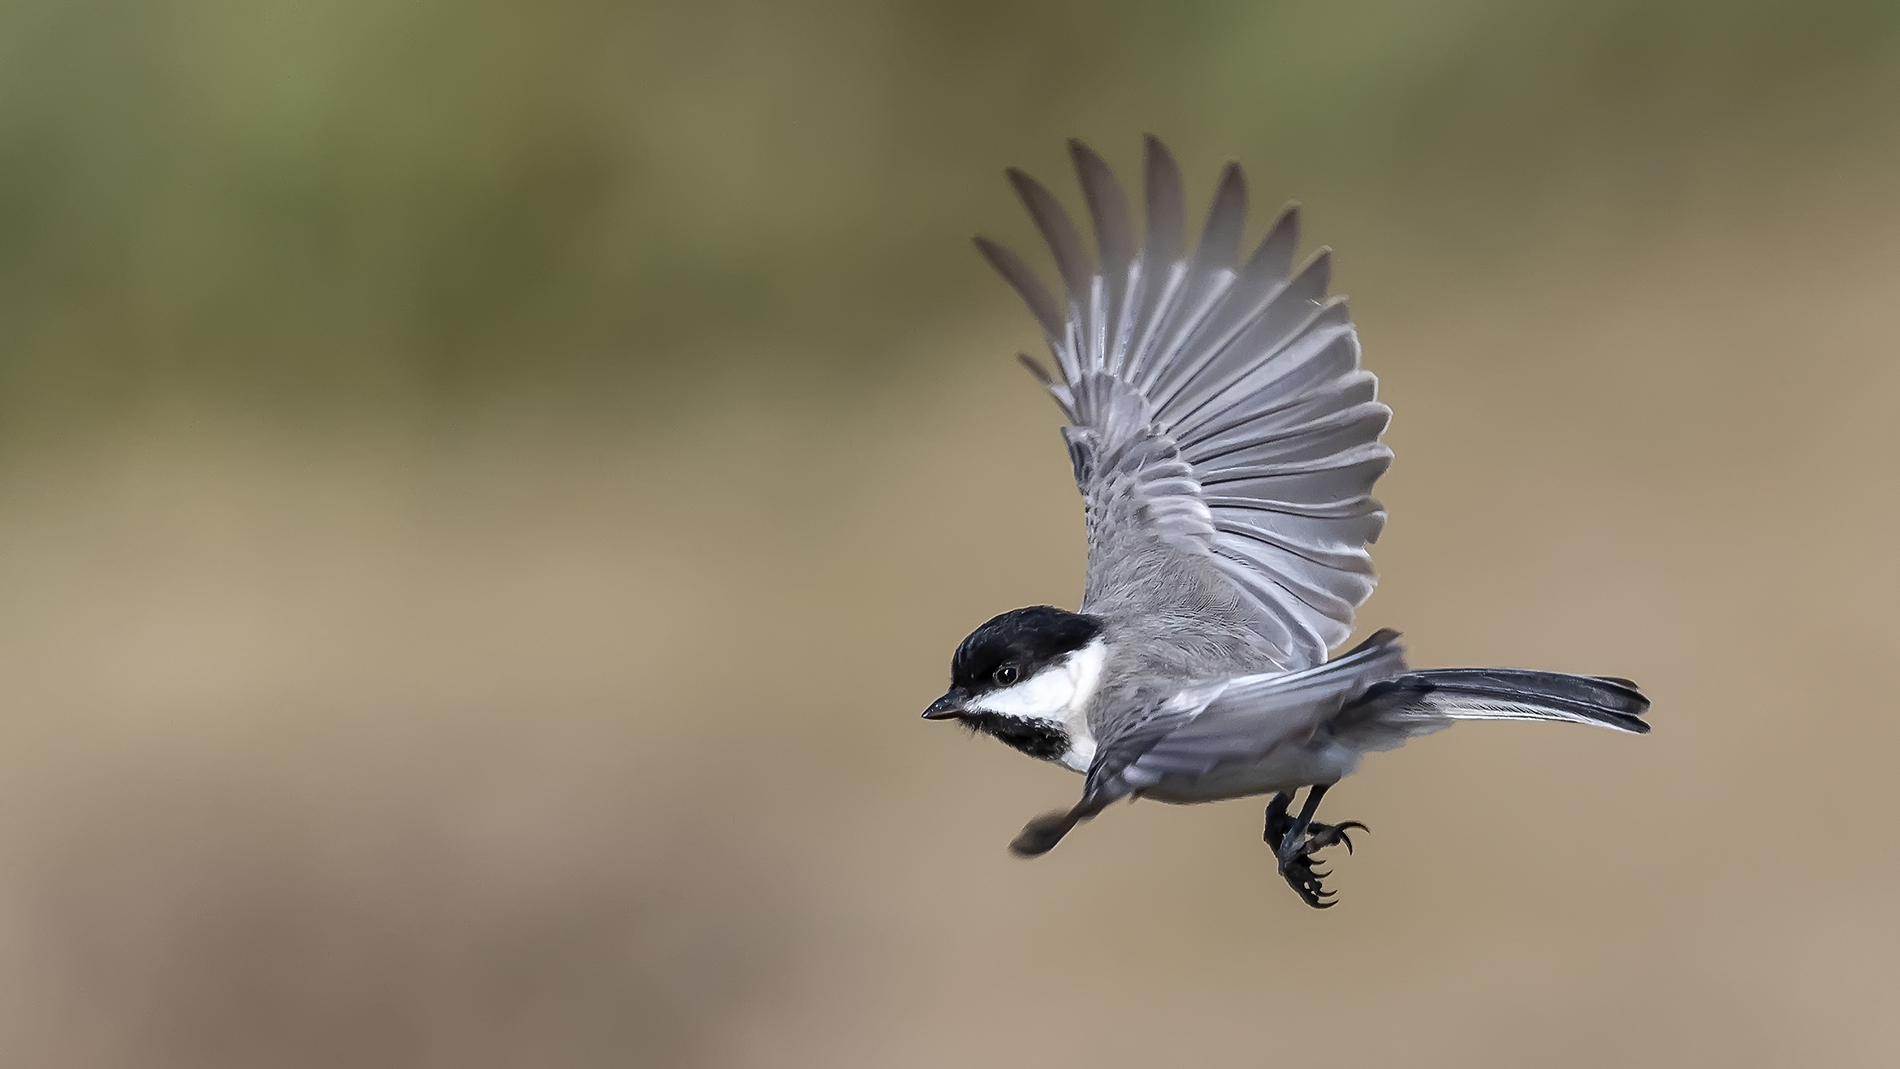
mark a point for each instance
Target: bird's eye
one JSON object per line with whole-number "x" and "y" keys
{"x": 1005, "y": 676}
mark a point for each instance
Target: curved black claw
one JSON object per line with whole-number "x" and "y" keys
{"x": 1296, "y": 858}
{"x": 1300, "y": 876}
{"x": 1322, "y": 835}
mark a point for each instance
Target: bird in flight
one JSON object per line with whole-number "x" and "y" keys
{"x": 1225, "y": 441}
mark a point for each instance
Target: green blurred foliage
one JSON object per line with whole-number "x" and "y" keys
{"x": 334, "y": 202}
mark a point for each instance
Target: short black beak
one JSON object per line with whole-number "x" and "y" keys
{"x": 948, "y": 707}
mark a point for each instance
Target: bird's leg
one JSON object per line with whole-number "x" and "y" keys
{"x": 1278, "y": 823}
{"x": 1299, "y": 837}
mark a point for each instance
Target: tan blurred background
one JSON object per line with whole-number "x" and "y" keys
{"x": 486, "y": 488}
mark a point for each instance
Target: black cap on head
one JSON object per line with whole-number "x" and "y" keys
{"x": 1017, "y": 645}
{"x": 1002, "y": 653}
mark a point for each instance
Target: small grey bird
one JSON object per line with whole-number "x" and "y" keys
{"x": 1225, "y": 441}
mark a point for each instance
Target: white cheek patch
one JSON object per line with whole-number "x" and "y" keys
{"x": 1085, "y": 671}
{"x": 1059, "y": 694}
{"x": 1043, "y": 696}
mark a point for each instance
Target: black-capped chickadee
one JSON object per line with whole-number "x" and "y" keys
{"x": 1225, "y": 441}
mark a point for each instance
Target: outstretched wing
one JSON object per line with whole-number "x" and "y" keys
{"x": 1220, "y": 424}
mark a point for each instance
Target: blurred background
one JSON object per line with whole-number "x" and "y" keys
{"x": 486, "y": 489}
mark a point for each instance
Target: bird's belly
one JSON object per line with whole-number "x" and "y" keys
{"x": 1287, "y": 768}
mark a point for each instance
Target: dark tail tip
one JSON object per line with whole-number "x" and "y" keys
{"x": 1041, "y": 835}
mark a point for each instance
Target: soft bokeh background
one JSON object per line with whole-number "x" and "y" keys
{"x": 485, "y": 489}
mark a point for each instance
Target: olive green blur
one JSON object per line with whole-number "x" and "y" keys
{"x": 487, "y": 488}
{"x": 313, "y": 202}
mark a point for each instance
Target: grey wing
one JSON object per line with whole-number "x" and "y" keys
{"x": 1255, "y": 716}
{"x": 1222, "y": 432}
{"x": 1192, "y": 734}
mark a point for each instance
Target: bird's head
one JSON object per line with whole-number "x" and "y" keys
{"x": 1025, "y": 677}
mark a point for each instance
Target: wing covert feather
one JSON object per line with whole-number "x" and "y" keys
{"x": 1200, "y": 728}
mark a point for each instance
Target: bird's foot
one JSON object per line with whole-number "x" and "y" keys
{"x": 1295, "y": 849}
{"x": 1297, "y": 863}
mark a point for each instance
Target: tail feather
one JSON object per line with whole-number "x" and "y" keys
{"x": 1419, "y": 703}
